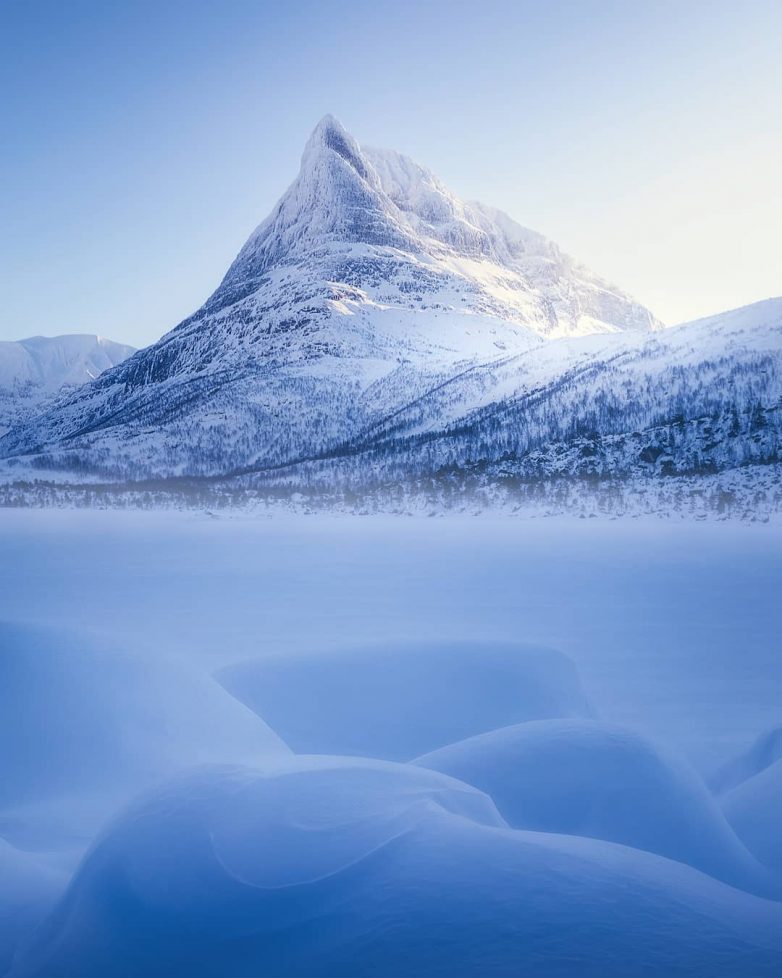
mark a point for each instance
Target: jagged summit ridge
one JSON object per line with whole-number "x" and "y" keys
{"x": 336, "y": 198}
{"x": 331, "y": 135}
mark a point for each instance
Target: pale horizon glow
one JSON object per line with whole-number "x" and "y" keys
{"x": 142, "y": 145}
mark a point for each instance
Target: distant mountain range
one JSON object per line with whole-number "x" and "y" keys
{"x": 34, "y": 371}
{"x": 376, "y": 334}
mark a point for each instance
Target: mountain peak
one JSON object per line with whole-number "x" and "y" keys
{"x": 329, "y": 124}
{"x": 330, "y": 136}
{"x": 347, "y": 197}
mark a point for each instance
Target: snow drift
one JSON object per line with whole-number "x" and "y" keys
{"x": 28, "y": 890}
{"x": 585, "y": 778}
{"x": 397, "y": 702}
{"x": 754, "y": 809}
{"x": 83, "y": 727}
{"x": 762, "y": 753}
{"x": 324, "y": 866}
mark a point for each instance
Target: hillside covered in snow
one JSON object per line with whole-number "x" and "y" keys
{"x": 694, "y": 400}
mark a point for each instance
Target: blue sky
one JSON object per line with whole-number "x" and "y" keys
{"x": 143, "y": 141}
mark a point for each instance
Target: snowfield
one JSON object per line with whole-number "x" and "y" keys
{"x": 456, "y": 747}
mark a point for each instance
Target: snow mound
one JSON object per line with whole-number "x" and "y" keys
{"x": 319, "y": 867}
{"x": 761, "y": 754}
{"x": 398, "y": 702}
{"x": 581, "y": 777}
{"x": 754, "y": 809}
{"x": 78, "y": 721}
{"x": 28, "y": 890}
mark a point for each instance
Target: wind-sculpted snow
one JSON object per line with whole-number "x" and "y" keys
{"x": 248, "y": 860}
{"x": 762, "y": 753}
{"x": 582, "y": 777}
{"x": 28, "y": 891}
{"x": 317, "y": 867}
{"x": 83, "y": 727}
{"x": 396, "y": 702}
{"x": 753, "y": 808}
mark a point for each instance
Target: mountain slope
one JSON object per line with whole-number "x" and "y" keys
{"x": 696, "y": 399}
{"x": 34, "y": 370}
{"x": 369, "y": 285}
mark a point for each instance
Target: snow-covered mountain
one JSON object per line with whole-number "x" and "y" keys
{"x": 375, "y": 330}
{"x": 34, "y": 370}
{"x": 369, "y": 284}
{"x": 695, "y": 399}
